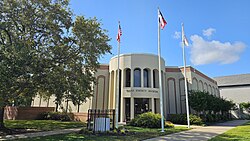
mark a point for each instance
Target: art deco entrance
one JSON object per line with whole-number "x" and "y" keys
{"x": 136, "y": 106}
{"x": 141, "y": 105}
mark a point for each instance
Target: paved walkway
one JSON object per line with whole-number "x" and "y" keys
{"x": 201, "y": 133}
{"x": 39, "y": 134}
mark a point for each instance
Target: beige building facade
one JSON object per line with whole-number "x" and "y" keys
{"x": 139, "y": 87}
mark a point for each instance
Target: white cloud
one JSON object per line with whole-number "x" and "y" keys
{"x": 208, "y": 32}
{"x": 177, "y": 35}
{"x": 206, "y": 52}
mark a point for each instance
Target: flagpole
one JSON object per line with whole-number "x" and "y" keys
{"x": 160, "y": 81}
{"x": 185, "y": 75}
{"x": 118, "y": 85}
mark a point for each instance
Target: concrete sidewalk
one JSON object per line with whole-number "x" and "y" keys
{"x": 39, "y": 134}
{"x": 201, "y": 133}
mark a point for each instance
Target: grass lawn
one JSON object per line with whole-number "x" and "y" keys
{"x": 41, "y": 125}
{"x": 240, "y": 133}
{"x": 135, "y": 134}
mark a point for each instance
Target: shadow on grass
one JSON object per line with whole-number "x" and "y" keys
{"x": 14, "y": 127}
{"x": 134, "y": 134}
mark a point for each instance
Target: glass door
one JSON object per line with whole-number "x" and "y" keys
{"x": 141, "y": 105}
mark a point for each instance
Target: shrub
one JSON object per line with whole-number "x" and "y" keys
{"x": 149, "y": 120}
{"x": 168, "y": 124}
{"x": 195, "y": 120}
{"x": 178, "y": 118}
{"x": 182, "y": 119}
{"x": 55, "y": 116}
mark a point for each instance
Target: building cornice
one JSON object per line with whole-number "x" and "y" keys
{"x": 189, "y": 69}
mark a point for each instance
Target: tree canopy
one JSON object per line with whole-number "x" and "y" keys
{"x": 44, "y": 51}
{"x": 203, "y": 101}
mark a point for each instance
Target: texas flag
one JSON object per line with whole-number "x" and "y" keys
{"x": 162, "y": 21}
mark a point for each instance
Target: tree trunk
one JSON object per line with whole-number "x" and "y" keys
{"x": 78, "y": 108}
{"x": 67, "y": 105}
{"x": 56, "y": 107}
{"x": 1, "y": 118}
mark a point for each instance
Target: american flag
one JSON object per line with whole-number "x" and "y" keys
{"x": 119, "y": 33}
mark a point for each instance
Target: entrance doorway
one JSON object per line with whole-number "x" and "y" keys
{"x": 127, "y": 109}
{"x": 141, "y": 105}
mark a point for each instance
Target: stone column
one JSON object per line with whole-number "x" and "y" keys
{"x": 152, "y": 78}
{"x": 164, "y": 94}
{"x": 153, "y": 105}
{"x": 132, "y": 78}
{"x": 132, "y": 108}
{"x": 110, "y": 91}
{"x": 142, "y": 79}
{"x": 115, "y": 88}
{"x": 121, "y": 98}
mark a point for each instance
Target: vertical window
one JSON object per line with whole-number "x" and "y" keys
{"x": 146, "y": 77}
{"x": 156, "y": 78}
{"x": 128, "y": 78}
{"x": 137, "y": 77}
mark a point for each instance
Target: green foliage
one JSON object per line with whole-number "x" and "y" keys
{"x": 203, "y": 101}
{"x": 119, "y": 131}
{"x": 239, "y": 133}
{"x": 182, "y": 119}
{"x": 212, "y": 118}
{"x": 55, "y": 116}
{"x": 178, "y": 118}
{"x": 43, "y": 51}
{"x": 42, "y": 125}
{"x": 134, "y": 134}
{"x": 195, "y": 120}
{"x": 26, "y": 40}
{"x": 245, "y": 105}
{"x": 149, "y": 120}
{"x": 213, "y": 108}
{"x": 168, "y": 124}
{"x": 198, "y": 100}
{"x": 85, "y": 131}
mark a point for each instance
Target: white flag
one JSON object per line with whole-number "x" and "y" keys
{"x": 184, "y": 38}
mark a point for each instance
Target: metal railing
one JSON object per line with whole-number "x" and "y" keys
{"x": 95, "y": 114}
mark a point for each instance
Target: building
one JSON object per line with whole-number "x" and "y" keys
{"x": 139, "y": 87}
{"x": 235, "y": 87}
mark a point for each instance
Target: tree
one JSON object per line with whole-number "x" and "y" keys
{"x": 42, "y": 50}
{"x": 204, "y": 102}
{"x": 198, "y": 100}
{"x": 91, "y": 41}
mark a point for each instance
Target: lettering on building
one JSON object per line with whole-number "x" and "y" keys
{"x": 142, "y": 90}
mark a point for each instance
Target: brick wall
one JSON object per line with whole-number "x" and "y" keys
{"x": 31, "y": 113}
{"x": 24, "y": 113}
{"x": 81, "y": 117}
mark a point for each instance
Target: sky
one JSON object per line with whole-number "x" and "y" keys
{"x": 218, "y": 31}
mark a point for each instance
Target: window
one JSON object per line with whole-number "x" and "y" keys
{"x": 146, "y": 78}
{"x": 128, "y": 78}
{"x": 156, "y": 78}
{"x": 137, "y": 77}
